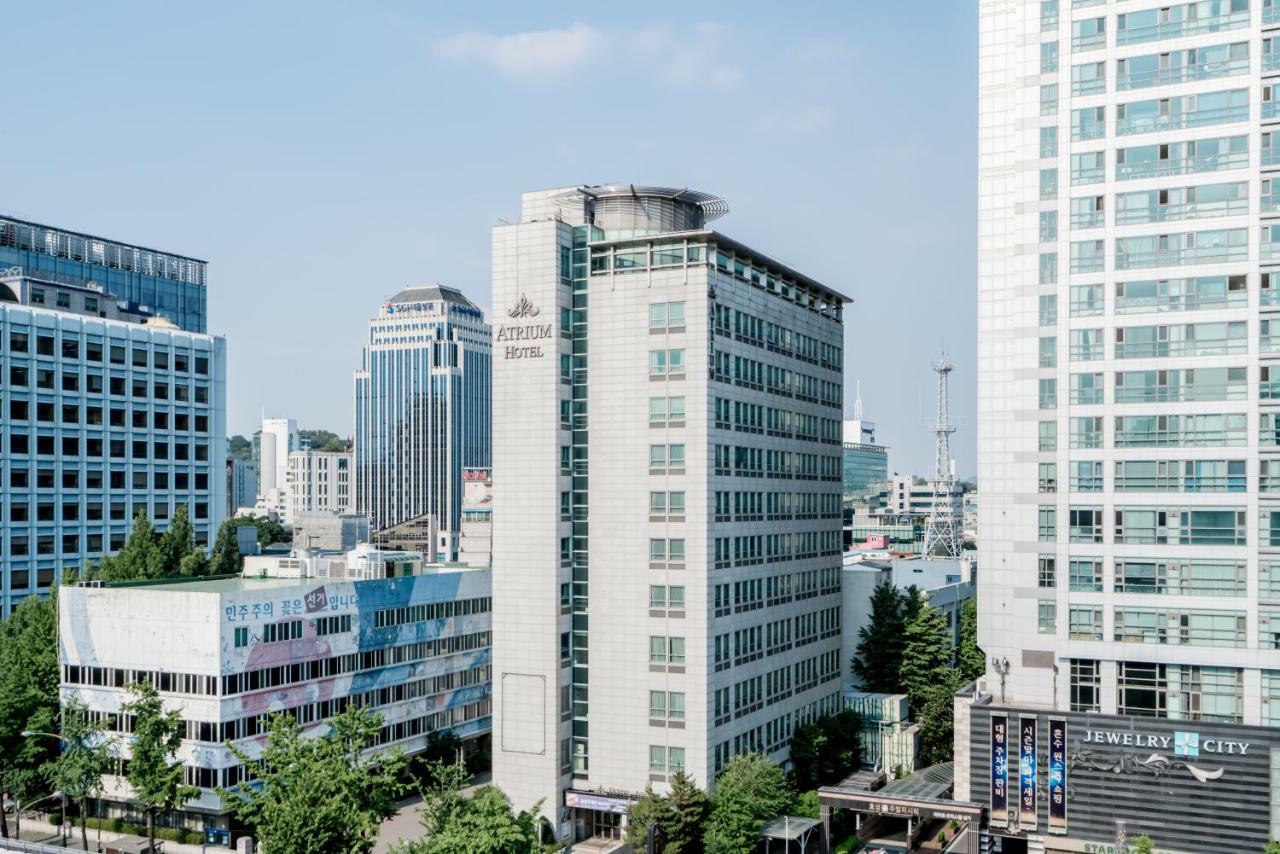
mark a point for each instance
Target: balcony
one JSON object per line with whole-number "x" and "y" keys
{"x": 1182, "y": 74}
{"x": 1185, "y": 27}
{"x": 1089, "y": 219}
{"x": 1269, "y": 251}
{"x": 1189, "y": 119}
{"x": 1186, "y": 210}
{"x": 1086, "y": 175}
{"x": 1180, "y": 257}
{"x": 1088, "y": 41}
{"x": 1184, "y": 165}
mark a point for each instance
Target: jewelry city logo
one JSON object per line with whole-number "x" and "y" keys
{"x": 1186, "y": 746}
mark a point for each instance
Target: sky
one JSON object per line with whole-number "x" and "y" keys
{"x": 321, "y": 156}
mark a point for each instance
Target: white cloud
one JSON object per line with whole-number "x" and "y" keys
{"x": 690, "y": 56}
{"x": 534, "y": 52}
{"x": 799, "y": 122}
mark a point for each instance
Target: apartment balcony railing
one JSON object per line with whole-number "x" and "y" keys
{"x": 1182, "y": 74}
{"x": 1188, "y": 119}
{"x": 1184, "y": 165}
{"x": 1185, "y": 27}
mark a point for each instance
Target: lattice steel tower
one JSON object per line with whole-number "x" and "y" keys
{"x": 942, "y": 537}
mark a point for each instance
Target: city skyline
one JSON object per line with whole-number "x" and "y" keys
{"x": 266, "y": 177}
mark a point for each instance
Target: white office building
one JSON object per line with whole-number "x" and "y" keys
{"x": 109, "y": 410}
{"x": 421, "y": 411}
{"x": 1129, "y": 526}
{"x": 319, "y": 482}
{"x": 272, "y": 444}
{"x": 667, "y": 467}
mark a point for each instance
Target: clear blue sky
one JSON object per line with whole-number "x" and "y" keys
{"x": 322, "y": 155}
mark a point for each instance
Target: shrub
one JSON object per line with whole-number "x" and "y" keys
{"x": 54, "y": 819}
{"x": 116, "y": 825}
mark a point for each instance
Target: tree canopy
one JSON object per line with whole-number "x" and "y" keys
{"x": 930, "y": 681}
{"x": 878, "y": 657}
{"x": 970, "y": 659}
{"x": 323, "y": 440}
{"x": 750, "y": 791}
{"x": 153, "y": 769}
{"x": 319, "y": 794}
{"x": 86, "y": 755}
{"x": 826, "y": 751}
{"x": 679, "y": 818}
{"x": 239, "y": 448}
{"x": 28, "y": 697}
{"x": 148, "y": 554}
{"x": 483, "y": 823}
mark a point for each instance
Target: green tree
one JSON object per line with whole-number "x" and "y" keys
{"x": 319, "y": 794}
{"x": 825, "y": 751}
{"x": 926, "y": 657}
{"x": 178, "y": 545}
{"x": 225, "y": 559}
{"x": 679, "y": 817}
{"x": 154, "y": 773}
{"x": 1143, "y": 845}
{"x": 1272, "y": 847}
{"x": 912, "y": 598}
{"x": 323, "y": 440}
{"x": 750, "y": 791}
{"x": 239, "y": 448}
{"x": 937, "y": 726}
{"x": 878, "y": 656}
{"x": 970, "y": 659}
{"x": 483, "y": 823}
{"x": 28, "y": 697}
{"x": 650, "y": 810}
{"x": 86, "y": 756}
{"x": 141, "y": 556}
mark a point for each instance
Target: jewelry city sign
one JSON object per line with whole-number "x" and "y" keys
{"x": 1146, "y": 754}
{"x": 517, "y": 336}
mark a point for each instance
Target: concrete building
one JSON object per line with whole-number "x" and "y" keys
{"x": 422, "y": 403}
{"x": 272, "y": 444}
{"x": 865, "y": 463}
{"x": 109, "y": 410}
{"x": 905, "y": 498}
{"x": 325, "y": 530}
{"x": 475, "y": 545}
{"x": 242, "y": 484}
{"x": 667, "y": 513}
{"x": 319, "y": 482}
{"x": 303, "y": 636}
{"x": 1127, "y": 529}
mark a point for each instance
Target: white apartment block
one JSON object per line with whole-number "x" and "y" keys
{"x": 1129, "y": 245}
{"x": 319, "y": 482}
{"x": 666, "y": 535}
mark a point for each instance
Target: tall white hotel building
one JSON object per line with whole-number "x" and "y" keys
{"x": 1129, "y": 456}
{"x": 666, "y": 542}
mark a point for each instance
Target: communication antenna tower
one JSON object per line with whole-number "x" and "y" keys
{"x": 942, "y": 536}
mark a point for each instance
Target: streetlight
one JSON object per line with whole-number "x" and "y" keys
{"x": 1000, "y": 666}
{"x": 63, "y": 835}
{"x": 17, "y": 811}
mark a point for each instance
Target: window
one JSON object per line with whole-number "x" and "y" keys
{"x": 1048, "y": 57}
{"x": 1086, "y": 575}
{"x": 1049, "y": 141}
{"x": 666, "y": 315}
{"x": 1048, "y": 477}
{"x": 1048, "y": 435}
{"x": 1047, "y": 617}
{"x": 1048, "y": 393}
{"x": 1085, "y": 623}
{"x": 1048, "y": 351}
{"x": 1048, "y": 183}
{"x": 1048, "y": 524}
{"x": 1086, "y": 685}
{"x": 1086, "y": 524}
{"x": 242, "y": 636}
{"x": 1048, "y": 309}
{"x": 1047, "y": 576}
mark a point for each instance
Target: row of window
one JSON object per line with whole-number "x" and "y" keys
{"x": 754, "y": 593}
{"x": 1161, "y": 476}
{"x": 760, "y": 506}
{"x": 1162, "y": 386}
{"x": 747, "y": 461}
{"x": 1152, "y": 525}
{"x": 93, "y": 349}
{"x": 1209, "y": 62}
{"x": 749, "y": 373}
{"x": 760, "y": 548}
{"x": 1149, "y": 25}
{"x": 1167, "y": 626}
{"x": 774, "y": 734}
{"x": 1199, "y": 430}
{"x": 1220, "y": 338}
{"x": 69, "y": 444}
{"x": 745, "y": 417}
{"x": 1162, "y": 576}
{"x": 386, "y": 617}
{"x": 1177, "y": 691}
{"x": 775, "y": 338}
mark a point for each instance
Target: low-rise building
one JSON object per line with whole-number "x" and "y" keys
{"x": 318, "y": 482}
{"x": 304, "y": 635}
{"x": 242, "y": 485}
{"x": 475, "y": 540}
{"x": 326, "y": 531}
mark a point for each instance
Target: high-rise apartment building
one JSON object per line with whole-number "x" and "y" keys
{"x": 109, "y": 410}
{"x": 1129, "y": 530}
{"x": 422, "y": 398}
{"x": 666, "y": 534}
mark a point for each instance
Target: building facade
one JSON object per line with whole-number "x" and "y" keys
{"x": 301, "y": 636}
{"x": 242, "y": 484}
{"x": 865, "y": 463}
{"x": 475, "y": 542}
{"x": 160, "y": 283}
{"x": 422, "y": 398}
{"x": 319, "y": 482}
{"x": 1127, "y": 275}
{"x": 108, "y": 410}
{"x": 273, "y": 442}
{"x": 667, "y": 461}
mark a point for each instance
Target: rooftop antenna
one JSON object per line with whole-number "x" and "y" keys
{"x": 942, "y": 536}
{"x": 857, "y": 401}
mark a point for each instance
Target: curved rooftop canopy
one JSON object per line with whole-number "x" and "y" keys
{"x": 639, "y": 208}
{"x": 430, "y": 293}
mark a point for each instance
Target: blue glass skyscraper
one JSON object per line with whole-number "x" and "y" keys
{"x": 422, "y": 410}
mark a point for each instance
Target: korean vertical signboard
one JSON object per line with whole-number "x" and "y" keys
{"x": 999, "y": 771}
{"x": 1027, "y": 773}
{"x": 1057, "y": 776}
